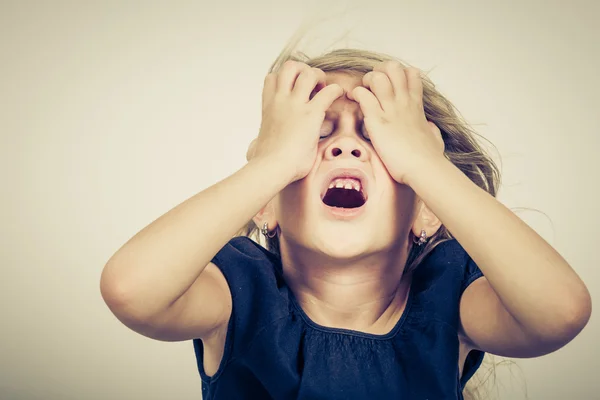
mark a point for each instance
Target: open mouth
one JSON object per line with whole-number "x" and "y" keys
{"x": 344, "y": 193}
{"x": 345, "y": 190}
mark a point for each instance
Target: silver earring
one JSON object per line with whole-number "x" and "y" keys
{"x": 422, "y": 240}
{"x": 265, "y": 231}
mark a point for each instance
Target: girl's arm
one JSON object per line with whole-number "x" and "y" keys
{"x": 161, "y": 283}
{"x": 144, "y": 282}
{"x": 530, "y": 302}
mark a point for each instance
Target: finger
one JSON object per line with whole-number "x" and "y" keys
{"x": 319, "y": 86}
{"x": 378, "y": 83}
{"x": 326, "y": 96}
{"x": 395, "y": 73}
{"x": 350, "y": 95}
{"x": 369, "y": 104}
{"x": 286, "y": 78}
{"x": 309, "y": 80}
{"x": 414, "y": 83}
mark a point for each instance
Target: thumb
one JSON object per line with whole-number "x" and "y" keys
{"x": 367, "y": 101}
{"x": 327, "y": 96}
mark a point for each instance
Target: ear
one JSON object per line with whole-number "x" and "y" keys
{"x": 266, "y": 214}
{"x": 425, "y": 220}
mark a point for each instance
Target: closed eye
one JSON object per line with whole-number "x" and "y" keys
{"x": 364, "y": 132}
{"x": 329, "y": 127}
{"x": 326, "y": 129}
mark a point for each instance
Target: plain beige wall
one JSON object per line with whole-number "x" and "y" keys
{"x": 113, "y": 112}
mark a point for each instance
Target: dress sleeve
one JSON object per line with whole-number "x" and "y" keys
{"x": 251, "y": 275}
{"x": 472, "y": 273}
{"x": 475, "y": 357}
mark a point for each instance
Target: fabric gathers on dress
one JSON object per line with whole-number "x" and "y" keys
{"x": 274, "y": 351}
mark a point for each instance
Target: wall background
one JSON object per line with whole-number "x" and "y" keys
{"x": 112, "y": 112}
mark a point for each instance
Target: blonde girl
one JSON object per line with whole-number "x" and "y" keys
{"x": 389, "y": 268}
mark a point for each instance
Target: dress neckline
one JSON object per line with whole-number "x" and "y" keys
{"x": 342, "y": 331}
{"x": 352, "y": 332}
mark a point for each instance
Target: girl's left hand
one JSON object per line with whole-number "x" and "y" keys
{"x": 392, "y": 104}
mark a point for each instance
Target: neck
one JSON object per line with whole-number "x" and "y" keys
{"x": 365, "y": 294}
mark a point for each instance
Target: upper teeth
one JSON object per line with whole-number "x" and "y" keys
{"x": 346, "y": 183}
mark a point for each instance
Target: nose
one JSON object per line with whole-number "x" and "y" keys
{"x": 346, "y": 146}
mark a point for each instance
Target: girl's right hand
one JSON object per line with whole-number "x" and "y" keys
{"x": 291, "y": 120}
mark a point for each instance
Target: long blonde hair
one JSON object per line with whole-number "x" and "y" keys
{"x": 461, "y": 145}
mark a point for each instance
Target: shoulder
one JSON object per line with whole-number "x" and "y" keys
{"x": 248, "y": 267}
{"x": 439, "y": 281}
{"x": 253, "y": 277}
{"x": 443, "y": 276}
{"x": 243, "y": 248}
{"x": 450, "y": 265}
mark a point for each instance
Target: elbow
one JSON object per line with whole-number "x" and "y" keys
{"x": 576, "y": 308}
{"x": 569, "y": 322}
{"x": 578, "y": 313}
{"x": 112, "y": 291}
{"x": 121, "y": 298}
{"x": 115, "y": 295}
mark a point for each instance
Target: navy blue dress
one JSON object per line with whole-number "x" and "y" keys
{"x": 274, "y": 351}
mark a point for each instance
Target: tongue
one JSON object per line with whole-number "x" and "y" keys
{"x": 343, "y": 198}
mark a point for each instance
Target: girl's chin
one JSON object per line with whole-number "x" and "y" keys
{"x": 342, "y": 243}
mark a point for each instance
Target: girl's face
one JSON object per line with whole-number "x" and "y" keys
{"x": 369, "y": 213}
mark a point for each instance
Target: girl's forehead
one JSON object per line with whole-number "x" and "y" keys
{"x": 343, "y": 104}
{"x": 344, "y": 79}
